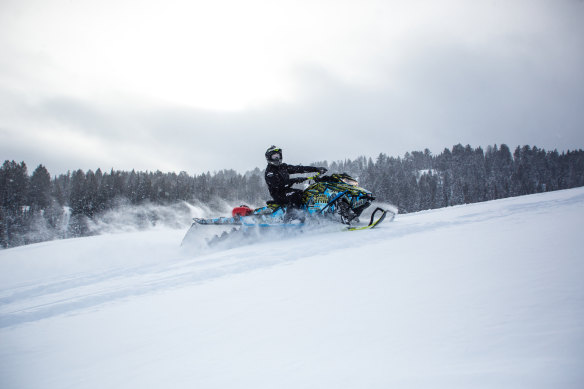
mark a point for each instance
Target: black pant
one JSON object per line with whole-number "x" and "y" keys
{"x": 292, "y": 197}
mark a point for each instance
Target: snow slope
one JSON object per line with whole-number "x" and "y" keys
{"x": 487, "y": 295}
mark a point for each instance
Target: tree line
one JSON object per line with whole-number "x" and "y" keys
{"x": 464, "y": 175}
{"x": 38, "y": 207}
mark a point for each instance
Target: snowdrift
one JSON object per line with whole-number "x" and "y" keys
{"x": 486, "y": 295}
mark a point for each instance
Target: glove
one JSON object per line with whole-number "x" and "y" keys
{"x": 322, "y": 170}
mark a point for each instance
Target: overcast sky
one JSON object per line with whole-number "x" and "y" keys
{"x": 200, "y": 86}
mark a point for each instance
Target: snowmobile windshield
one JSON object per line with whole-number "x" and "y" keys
{"x": 349, "y": 181}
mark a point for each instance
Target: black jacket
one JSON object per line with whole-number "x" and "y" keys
{"x": 279, "y": 181}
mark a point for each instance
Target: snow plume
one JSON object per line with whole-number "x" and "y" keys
{"x": 49, "y": 224}
{"x": 129, "y": 218}
{"x": 204, "y": 239}
{"x": 59, "y": 222}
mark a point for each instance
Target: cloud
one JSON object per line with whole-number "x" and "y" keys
{"x": 147, "y": 90}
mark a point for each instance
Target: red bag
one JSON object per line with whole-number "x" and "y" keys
{"x": 242, "y": 210}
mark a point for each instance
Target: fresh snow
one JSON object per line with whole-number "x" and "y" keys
{"x": 487, "y": 295}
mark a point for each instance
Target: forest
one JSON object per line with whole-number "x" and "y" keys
{"x": 37, "y": 207}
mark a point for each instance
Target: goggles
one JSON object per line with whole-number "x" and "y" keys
{"x": 276, "y": 156}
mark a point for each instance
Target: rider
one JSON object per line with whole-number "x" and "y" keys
{"x": 279, "y": 181}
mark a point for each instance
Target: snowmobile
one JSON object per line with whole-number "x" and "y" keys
{"x": 335, "y": 197}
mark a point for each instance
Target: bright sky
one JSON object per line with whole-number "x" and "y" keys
{"x": 205, "y": 85}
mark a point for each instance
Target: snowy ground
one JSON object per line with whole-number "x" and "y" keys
{"x": 486, "y": 295}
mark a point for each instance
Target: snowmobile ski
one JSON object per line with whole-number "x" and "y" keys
{"x": 374, "y": 222}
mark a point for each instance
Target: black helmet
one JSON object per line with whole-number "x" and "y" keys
{"x": 274, "y": 155}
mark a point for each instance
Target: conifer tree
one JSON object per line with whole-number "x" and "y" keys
{"x": 39, "y": 193}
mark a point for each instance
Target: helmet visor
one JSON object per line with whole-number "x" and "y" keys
{"x": 276, "y": 156}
